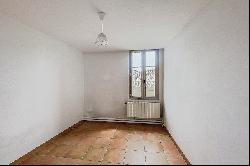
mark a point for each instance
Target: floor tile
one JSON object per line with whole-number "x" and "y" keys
{"x": 170, "y": 148}
{"x": 179, "y": 161}
{"x": 41, "y": 160}
{"x": 50, "y": 160}
{"x": 107, "y": 133}
{"x": 153, "y": 147}
{"x": 77, "y": 152}
{"x": 98, "y": 143}
{"x": 44, "y": 149}
{"x": 87, "y": 141}
{"x": 22, "y": 159}
{"x": 114, "y": 156}
{"x": 101, "y": 143}
{"x": 67, "y": 140}
{"x": 96, "y": 155}
{"x": 121, "y": 134}
{"x": 135, "y": 145}
{"x": 118, "y": 143}
{"x": 135, "y": 158}
{"x": 60, "y": 150}
{"x": 156, "y": 159}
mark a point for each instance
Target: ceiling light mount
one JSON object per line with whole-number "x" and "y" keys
{"x": 101, "y": 15}
{"x": 101, "y": 38}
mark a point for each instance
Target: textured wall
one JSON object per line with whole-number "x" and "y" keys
{"x": 41, "y": 88}
{"x": 207, "y": 85}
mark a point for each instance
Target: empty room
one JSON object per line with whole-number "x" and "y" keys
{"x": 124, "y": 82}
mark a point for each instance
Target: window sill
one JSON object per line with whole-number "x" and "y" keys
{"x": 146, "y": 100}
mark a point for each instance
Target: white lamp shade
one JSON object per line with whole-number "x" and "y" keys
{"x": 101, "y": 40}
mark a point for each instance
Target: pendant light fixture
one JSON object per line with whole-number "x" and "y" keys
{"x": 101, "y": 39}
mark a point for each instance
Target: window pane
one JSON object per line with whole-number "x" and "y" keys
{"x": 150, "y": 58}
{"x": 136, "y": 81}
{"x": 136, "y": 74}
{"x": 150, "y": 81}
{"x": 136, "y": 59}
{"x": 150, "y": 73}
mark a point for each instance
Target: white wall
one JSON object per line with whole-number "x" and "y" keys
{"x": 207, "y": 85}
{"x": 41, "y": 88}
{"x": 106, "y": 84}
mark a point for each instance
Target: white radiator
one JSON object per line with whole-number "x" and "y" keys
{"x": 144, "y": 110}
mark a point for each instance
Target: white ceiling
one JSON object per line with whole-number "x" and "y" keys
{"x": 129, "y": 24}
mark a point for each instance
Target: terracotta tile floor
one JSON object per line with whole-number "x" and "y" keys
{"x": 101, "y": 143}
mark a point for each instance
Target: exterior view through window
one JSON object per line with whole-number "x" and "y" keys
{"x": 144, "y": 74}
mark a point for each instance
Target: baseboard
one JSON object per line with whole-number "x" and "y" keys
{"x": 120, "y": 120}
{"x": 179, "y": 149}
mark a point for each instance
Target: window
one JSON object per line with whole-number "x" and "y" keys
{"x": 144, "y": 74}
